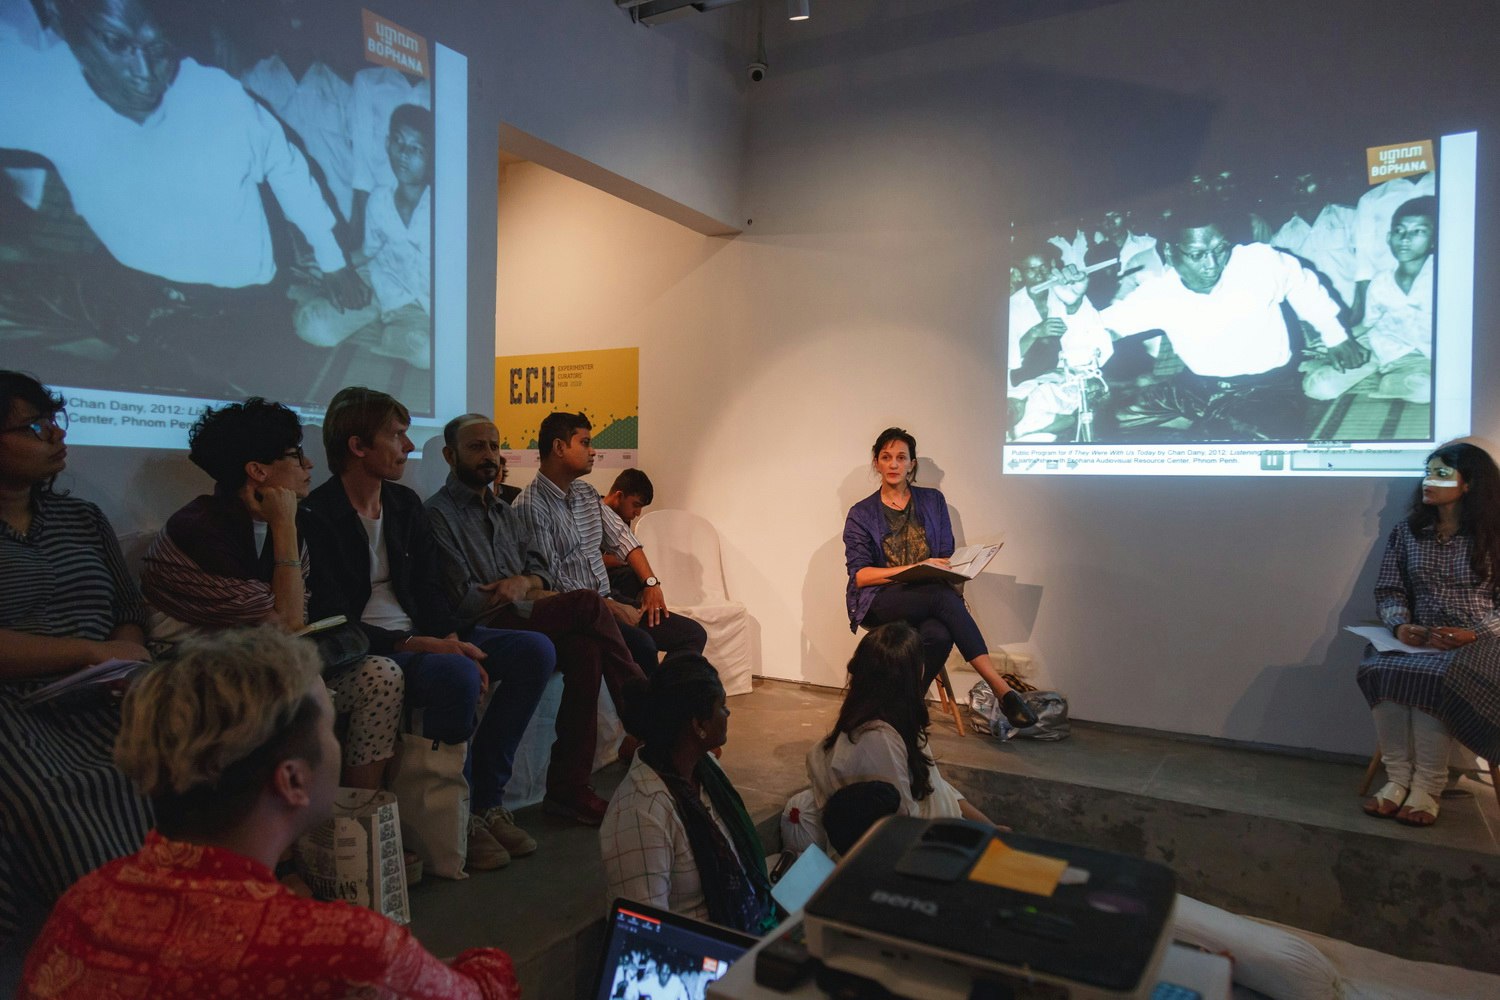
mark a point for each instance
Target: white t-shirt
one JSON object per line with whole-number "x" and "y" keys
{"x": 877, "y": 753}
{"x": 177, "y": 195}
{"x": 1236, "y": 328}
{"x": 382, "y": 609}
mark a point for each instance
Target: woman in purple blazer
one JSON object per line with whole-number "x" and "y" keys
{"x": 897, "y": 527}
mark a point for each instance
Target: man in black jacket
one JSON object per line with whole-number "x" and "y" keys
{"x": 375, "y": 562}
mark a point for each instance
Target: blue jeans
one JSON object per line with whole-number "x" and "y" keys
{"x": 446, "y": 687}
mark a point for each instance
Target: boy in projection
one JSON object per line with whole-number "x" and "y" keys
{"x": 1397, "y": 326}
{"x": 396, "y": 257}
{"x": 1220, "y": 305}
{"x": 1056, "y": 340}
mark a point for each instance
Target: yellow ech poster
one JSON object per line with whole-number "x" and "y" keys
{"x": 602, "y": 385}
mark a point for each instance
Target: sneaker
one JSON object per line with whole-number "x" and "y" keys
{"x": 502, "y": 826}
{"x": 485, "y": 852}
{"x": 583, "y": 806}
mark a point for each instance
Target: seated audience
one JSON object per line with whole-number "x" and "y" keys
{"x": 677, "y": 835}
{"x": 494, "y": 576}
{"x": 233, "y": 558}
{"x": 629, "y": 495}
{"x": 232, "y": 740}
{"x": 1057, "y": 346}
{"x": 374, "y": 561}
{"x": 506, "y": 493}
{"x": 566, "y": 523}
{"x": 66, "y": 601}
{"x": 881, "y": 732}
{"x": 1397, "y": 325}
{"x": 1221, "y": 305}
{"x": 1437, "y": 588}
{"x": 893, "y": 529}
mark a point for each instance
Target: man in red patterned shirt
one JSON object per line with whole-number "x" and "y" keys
{"x": 232, "y": 740}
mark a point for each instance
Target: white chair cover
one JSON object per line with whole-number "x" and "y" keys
{"x": 684, "y": 552}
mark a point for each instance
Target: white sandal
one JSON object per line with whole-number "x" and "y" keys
{"x": 1390, "y": 794}
{"x": 1418, "y": 804}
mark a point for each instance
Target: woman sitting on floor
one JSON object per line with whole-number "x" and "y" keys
{"x": 1439, "y": 588}
{"x": 899, "y": 526}
{"x": 677, "y": 835}
{"x": 234, "y": 558}
{"x": 66, "y": 602}
{"x": 232, "y": 738}
{"x": 881, "y": 732}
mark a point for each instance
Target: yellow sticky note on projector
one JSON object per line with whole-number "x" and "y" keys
{"x": 1022, "y": 871}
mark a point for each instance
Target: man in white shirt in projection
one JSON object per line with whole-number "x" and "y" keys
{"x": 164, "y": 158}
{"x": 1221, "y": 306}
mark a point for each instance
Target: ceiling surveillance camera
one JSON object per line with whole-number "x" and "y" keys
{"x": 756, "y": 71}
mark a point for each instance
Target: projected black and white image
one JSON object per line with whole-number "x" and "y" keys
{"x": 663, "y": 973}
{"x": 1293, "y": 304}
{"x": 212, "y": 200}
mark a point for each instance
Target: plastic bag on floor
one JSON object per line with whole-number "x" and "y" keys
{"x": 1050, "y": 708}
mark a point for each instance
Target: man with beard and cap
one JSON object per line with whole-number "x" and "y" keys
{"x": 494, "y": 575}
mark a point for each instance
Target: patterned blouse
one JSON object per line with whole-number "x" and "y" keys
{"x": 178, "y": 921}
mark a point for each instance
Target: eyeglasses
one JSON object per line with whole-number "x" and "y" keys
{"x": 41, "y": 426}
{"x": 293, "y": 453}
{"x": 1198, "y": 256}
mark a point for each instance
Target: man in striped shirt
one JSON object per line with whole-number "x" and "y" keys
{"x": 563, "y": 517}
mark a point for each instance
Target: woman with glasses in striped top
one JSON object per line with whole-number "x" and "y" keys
{"x": 66, "y": 602}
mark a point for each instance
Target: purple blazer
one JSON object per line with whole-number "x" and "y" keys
{"x": 864, "y": 531}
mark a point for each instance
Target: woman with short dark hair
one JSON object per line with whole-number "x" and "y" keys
{"x": 1438, "y": 589}
{"x": 899, "y": 526}
{"x": 676, "y": 834}
{"x": 66, "y": 602}
{"x": 234, "y": 557}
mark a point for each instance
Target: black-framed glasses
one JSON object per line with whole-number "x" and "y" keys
{"x": 42, "y": 425}
{"x": 1199, "y": 255}
{"x": 296, "y": 453}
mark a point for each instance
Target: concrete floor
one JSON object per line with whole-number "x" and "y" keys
{"x": 546, "y": 910}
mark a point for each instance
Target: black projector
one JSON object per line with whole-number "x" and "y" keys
{"x": 953, "y": 909}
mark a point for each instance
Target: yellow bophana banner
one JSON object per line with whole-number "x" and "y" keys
{"x": 603, "y": 385}
{"x": 1404, "y": 159}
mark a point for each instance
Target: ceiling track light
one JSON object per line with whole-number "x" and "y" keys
{"x": 797, "y": 10}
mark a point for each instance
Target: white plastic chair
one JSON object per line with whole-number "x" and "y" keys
{"x": 684, "y": 552}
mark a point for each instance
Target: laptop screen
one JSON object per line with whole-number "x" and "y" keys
{"x": 651, "y": 954}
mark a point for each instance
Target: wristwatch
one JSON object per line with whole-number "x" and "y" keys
{"x": 651, "y": 581}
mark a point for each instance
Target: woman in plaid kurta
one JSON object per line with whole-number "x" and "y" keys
{"x": 1437, "y": 590}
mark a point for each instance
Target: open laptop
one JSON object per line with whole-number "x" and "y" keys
{"x": 651, "y": 954}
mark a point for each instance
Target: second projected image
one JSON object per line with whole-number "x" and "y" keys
{"x": 222, "y": 200}
{"x": 1297, "y": 307}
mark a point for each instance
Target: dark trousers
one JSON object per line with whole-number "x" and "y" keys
{"x": 675, "y": 633}
{"x": 446, "y": 687}
{"x": 1266, "y": 407}
{"x": 589, "y": 648}
{"x": 938, "y": 614}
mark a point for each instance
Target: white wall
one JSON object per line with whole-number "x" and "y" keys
{"x": 889, "y": 148}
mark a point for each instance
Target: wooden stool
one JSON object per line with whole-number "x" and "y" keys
{"x": 1364, "y": 787}
{"x": 947, "y": 700}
